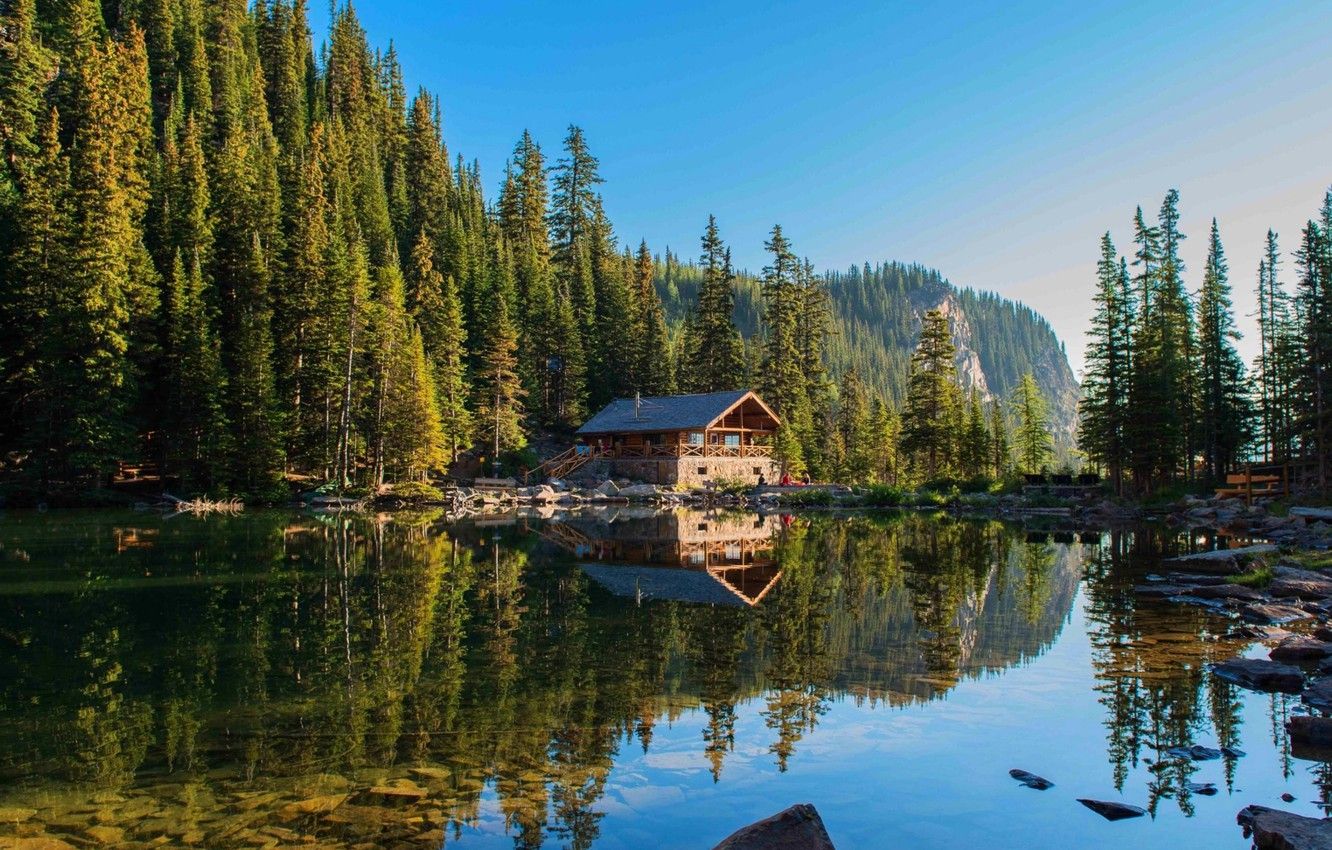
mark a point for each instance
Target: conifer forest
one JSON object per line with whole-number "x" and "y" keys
{"x": 246, "y": 258}
{"x": 243, "y": 257}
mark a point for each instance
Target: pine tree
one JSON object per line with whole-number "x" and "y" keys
{"x": 436, "y": 308}
{"x": 35, "y": 299}
{"x": 1105, "y": 423}
{"x": 785, "y": 385}
{"x": 1313, "y": 380}
{"x": 194, "y": 428}
{"x": 885, "y": 432}
{"x": 574, "y": 205}
{"x": 976, "y": 439}
{"x": 1000, "y": 458}
{"x": 498, "y": 387}
{"x": 654, "y": 365}
{"x": 715, "y": 357}
{"x": 1032, "y": 438}
{"x": 1224, "y": 414}
{"x": 853, "y": 432}
{"x": 85, "y": 421}
{"x": 22, "y": 80}
{"x": 932, "y": 401}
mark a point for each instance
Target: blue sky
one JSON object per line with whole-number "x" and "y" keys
{"x": 995, "y": 142}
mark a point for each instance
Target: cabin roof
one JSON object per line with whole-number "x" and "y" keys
{"x": 681, "y": 585}
{"x": 666, "y": 413}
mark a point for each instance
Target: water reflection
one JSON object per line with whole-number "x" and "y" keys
{"x": 378, "y": 679}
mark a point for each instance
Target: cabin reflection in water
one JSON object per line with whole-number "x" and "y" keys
{"x": 686, "y": 556}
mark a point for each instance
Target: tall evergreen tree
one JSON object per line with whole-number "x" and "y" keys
{"x": 714, "y": 357}
{"x": 1031, "y": 438}
{"x": 1105, "y": 422}
{"x": 1223, "y": 408}
{"x": 932, "y": 402}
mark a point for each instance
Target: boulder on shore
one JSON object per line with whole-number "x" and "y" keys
{"x": 1302, "y": 584}
{"x": 796, "y": 828}
{"x": 1272, "y": 829}
{"x": 1259, "y": 675}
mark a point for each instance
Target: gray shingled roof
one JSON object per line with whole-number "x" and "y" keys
{"x": 661, "y": 413}
{"x": 662, "y": 583}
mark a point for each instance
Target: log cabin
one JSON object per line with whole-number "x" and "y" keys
{"x": 685, "y": 439}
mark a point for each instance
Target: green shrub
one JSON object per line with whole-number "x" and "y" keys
{"x": 732, "y": 486}
{"x": 1260, "y": 577}
{"x": 884, "y": 496}
{"x": 417, "y": 491}
{"x": 806, "y": 498}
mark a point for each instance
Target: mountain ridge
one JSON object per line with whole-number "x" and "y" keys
{"x": 876, "y": 317}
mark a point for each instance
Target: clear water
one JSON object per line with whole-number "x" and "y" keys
{"x": 617, "y": 680}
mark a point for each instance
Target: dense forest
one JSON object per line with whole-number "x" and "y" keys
{"x": 1167, "y": 397}
{"x": 876, "y": 314}
{"x": 249, "y": 263}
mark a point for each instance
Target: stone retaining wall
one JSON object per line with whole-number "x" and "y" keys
{"x": 694, "y": 471}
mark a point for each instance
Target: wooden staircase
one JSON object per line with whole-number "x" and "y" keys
{"x": 568, "y": 461}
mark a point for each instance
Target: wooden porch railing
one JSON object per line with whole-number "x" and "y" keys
{"x": 689, "y": 450}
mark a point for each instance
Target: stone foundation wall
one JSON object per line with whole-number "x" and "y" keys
{"x": 694, "y": 471}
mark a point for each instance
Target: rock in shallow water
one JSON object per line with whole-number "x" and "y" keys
{"x": 796, "y": 828}
{"x": 1031, "y": 780}
{"x": 1319, "y": 694}
{"x": 1207, "y": 789}
{"x": 1269, "y": 615}
{"x": 1273, "y": 829}
{"x": 1111, "y": 810}
{"x": 1259, "y": 675}
{"x": 1197, "y": 752}
{"x": 1300, "y": 648}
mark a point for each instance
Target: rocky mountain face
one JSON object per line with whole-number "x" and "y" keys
{"x": 876, "y": 317}
{"x": 878, "y": 311}
{"x": 1048, "y": 363}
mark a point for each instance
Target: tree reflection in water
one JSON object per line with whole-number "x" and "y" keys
{"x": 272, "y": 652}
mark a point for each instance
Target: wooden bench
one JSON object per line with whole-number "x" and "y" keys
{"x": 1248, "y": 485}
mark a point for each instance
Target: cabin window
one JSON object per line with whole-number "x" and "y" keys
{"x": 732, "y": 553}
{"x": 702, "y": 470}
{"x": 702, "y": 526}
{"x": 732, "y": 440}
{"x": 695, "y": 438}
{"x": 696, "y": 557}
{"x": 758, "y": 470}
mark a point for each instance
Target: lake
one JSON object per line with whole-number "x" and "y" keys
{"x": 614, "y": 679}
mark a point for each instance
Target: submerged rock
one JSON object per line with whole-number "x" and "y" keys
{"x": 1306, "y": 728}
{"x": 1259, "y": 675}
{"x": 1226, "y": 591}
{"x": 1269, "y": 615}
{"x": 1319, "y": 694}
{"x": 1207, "y": 789}
{"x": 1111, "y": 810}
{"x": 1197, "y": 752}
{"x": 1300, "y": 648}
{"x": 1232, "y": 753}
{"x": 1031, "y": 780}
{"x": 796, "y": 828}
{"x": 1273, "y": 829}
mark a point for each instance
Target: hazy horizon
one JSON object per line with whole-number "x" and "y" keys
{"x": 994, "y": 147}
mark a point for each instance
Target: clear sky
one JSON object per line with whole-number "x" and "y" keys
{"x": 995, "y": 142}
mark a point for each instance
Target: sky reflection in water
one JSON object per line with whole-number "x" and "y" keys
{"x": 613, "y": 680}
